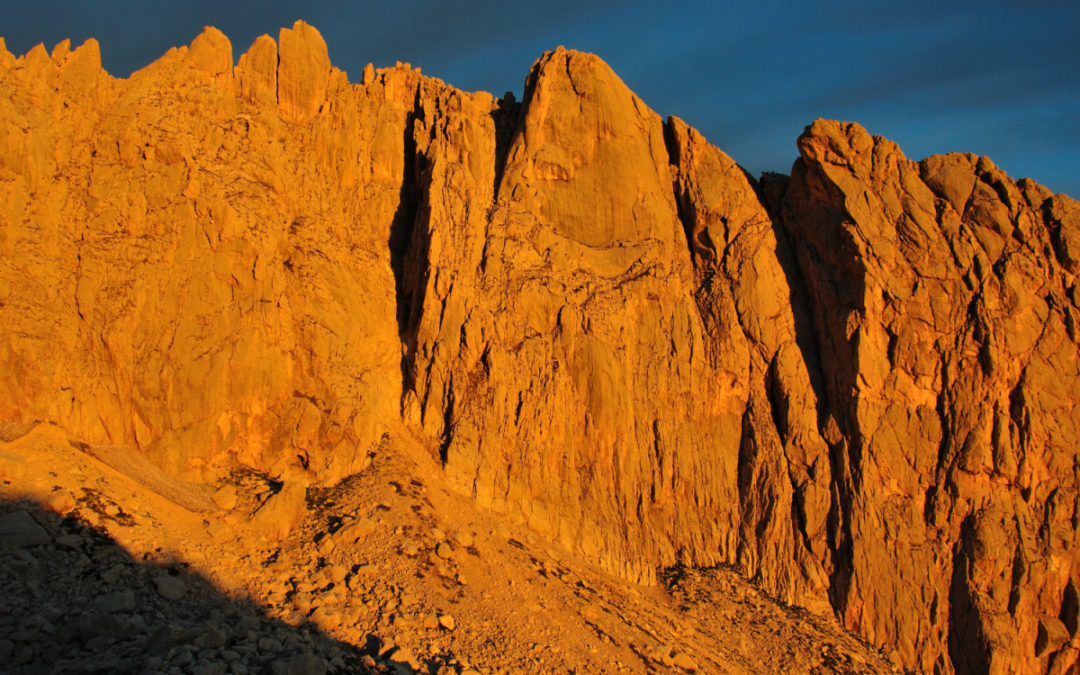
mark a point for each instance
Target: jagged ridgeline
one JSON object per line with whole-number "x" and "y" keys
{"x": 857, "y": 384}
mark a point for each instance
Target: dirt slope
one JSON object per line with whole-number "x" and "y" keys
{"x": 387, "y": 570}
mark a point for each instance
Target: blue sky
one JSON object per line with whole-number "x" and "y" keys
{"x": 993, "y": 78}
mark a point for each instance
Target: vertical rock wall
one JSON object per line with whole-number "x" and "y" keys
{"x": 858, "y": 384}
{"x": 559, "y": 354}
{"x": 944, "y": 306}
{"x": 191, "y": 271}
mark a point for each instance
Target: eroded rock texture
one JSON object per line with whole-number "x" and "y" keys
{"x": 191, "y": 273}
{"x": 858, "y": 385}
{"x": 559, "y": 354}
{"x": 944, "y": 306}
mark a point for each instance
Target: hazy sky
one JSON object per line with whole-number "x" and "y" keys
{"x": 993, "y": 78}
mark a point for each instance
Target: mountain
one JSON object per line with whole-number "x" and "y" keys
{"x": 856, "y": 385}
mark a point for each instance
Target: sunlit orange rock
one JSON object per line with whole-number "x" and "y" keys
{"x": 303, "y": 72}
{"x": 945, "y": 318}
{"x": 857, "y": 385}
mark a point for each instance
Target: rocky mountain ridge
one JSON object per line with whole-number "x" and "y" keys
{"x": 857, "y": 384}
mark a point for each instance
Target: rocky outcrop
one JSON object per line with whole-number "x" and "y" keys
{"x": 945, "y": 311}
{"x": 856, "y": 384}
{"x": 756, "y": 323}
{"x": 559, "y": 355}
{"x": 191, "y": 273}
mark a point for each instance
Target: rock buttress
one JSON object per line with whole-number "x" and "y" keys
{"x": 190, "y": 272}
{"x": 945, "y": 310}
{"x": 751, "y": 308}
{"x": 560, "y": 356}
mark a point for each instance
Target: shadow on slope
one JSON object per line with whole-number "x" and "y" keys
{"x": 75, "y": 601}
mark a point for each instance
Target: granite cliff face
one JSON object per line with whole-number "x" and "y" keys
{"x": 858, "y": 384}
